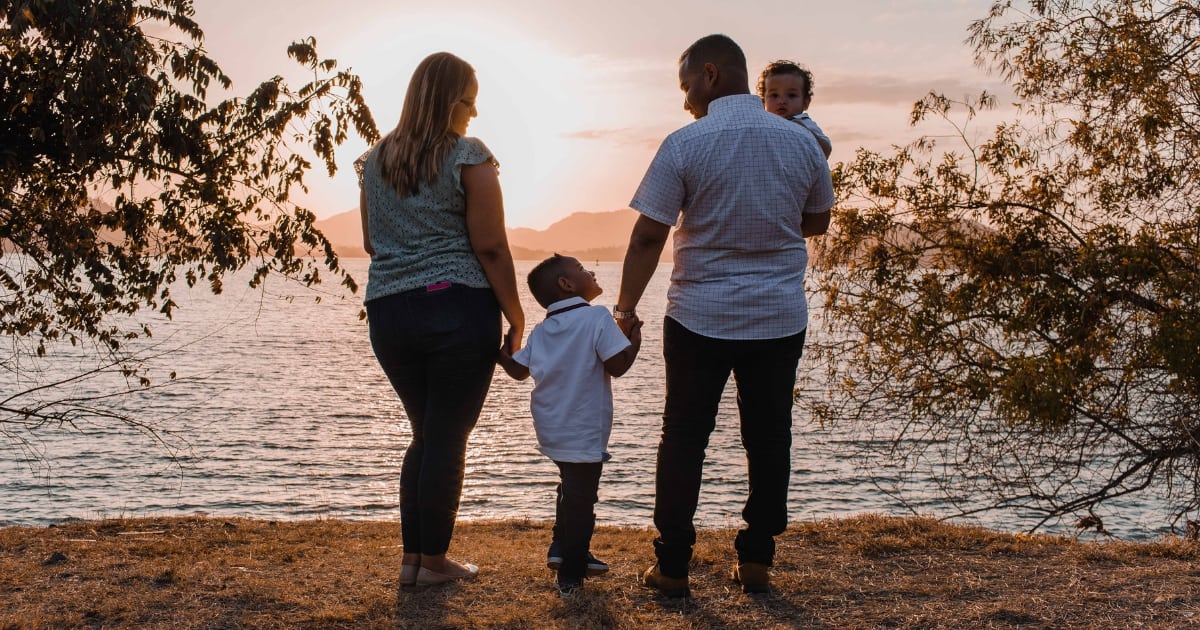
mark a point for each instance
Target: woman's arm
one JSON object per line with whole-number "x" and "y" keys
{"x": 366, "y": 230}
{"x": 485, "y": 228}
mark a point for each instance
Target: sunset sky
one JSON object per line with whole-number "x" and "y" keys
{"x": 575, "y": 97}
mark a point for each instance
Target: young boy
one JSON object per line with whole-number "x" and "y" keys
{"x": 572, "y": 356}
{"x": 786, "y": 90}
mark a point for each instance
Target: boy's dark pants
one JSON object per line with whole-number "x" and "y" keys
{"x": 574, "y": 514}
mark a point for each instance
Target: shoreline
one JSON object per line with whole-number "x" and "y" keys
{"x": 1081, "y": 535}
{"x": 731, "y": 522}
{"x": 859, "y": 572}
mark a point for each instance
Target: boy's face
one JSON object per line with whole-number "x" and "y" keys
{"x": 575, "y": 279}
{"x": 783, "y": 94}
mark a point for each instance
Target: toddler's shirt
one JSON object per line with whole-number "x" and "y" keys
{"x": 571, "y": 401}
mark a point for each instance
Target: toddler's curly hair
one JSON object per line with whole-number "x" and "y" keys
{"x": 783, "y": 66}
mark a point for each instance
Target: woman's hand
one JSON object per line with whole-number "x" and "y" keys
{"x": 512, "y": 340}
{"x": 506, "y": 361}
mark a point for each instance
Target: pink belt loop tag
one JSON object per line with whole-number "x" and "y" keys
{"x": 437, "y": 286}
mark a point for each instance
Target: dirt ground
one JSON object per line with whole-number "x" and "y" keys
{"x": 863, "y": 572}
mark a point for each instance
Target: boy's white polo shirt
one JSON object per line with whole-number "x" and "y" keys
{"x": 572, "y": 393}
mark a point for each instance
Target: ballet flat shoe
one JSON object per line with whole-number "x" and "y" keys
{"x": 427, "y": 577}
{"x": 408, "y": 574}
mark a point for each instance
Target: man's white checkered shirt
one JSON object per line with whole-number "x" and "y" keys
{"x": 741, "y": 177}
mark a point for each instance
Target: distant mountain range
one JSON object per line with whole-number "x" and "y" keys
{"x": 588, "y": 236}
{"x": 583, "y": 235}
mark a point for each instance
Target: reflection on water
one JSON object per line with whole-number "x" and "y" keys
{"x": 279, "y": 410}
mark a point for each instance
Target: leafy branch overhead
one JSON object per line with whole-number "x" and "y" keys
{"x": 1019, "y": 315}
{"x": 120, "y": 175}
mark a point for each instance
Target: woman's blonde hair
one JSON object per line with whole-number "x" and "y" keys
{"x": 413, "y": 153}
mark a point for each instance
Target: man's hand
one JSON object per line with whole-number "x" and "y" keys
{"x": 629, "y": 324}
{"x": 635, "y": 334}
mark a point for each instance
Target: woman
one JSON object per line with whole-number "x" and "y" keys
{"x": 441, "y": 273}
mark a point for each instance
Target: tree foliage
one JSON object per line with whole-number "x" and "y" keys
{"x": 1018, "y": 314}
{"x": 120, "y": 176}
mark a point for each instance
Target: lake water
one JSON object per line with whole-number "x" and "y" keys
{"x": 280, "y": 411}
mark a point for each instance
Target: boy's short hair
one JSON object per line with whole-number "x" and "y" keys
{"x": 783, "y": 66}
{"x": 543, "y": 280}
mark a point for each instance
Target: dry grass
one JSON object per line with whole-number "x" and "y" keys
{"x": 865, "y": 572}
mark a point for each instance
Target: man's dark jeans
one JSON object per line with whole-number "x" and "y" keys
{"x": 697, "y": 370}
{"x": 574, "y": 514}
{"x": 438, "y": 349}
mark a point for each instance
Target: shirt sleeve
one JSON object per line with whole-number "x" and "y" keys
{"x": 662, "y": 194}
{"x": 469, "y": 152}
{"x": 360, "y": 166}
{"x": 522, "y": 355}
{"x": 609, "y": 338}
{"x": 808, "y": 123}
{"x": 820, "y": 196}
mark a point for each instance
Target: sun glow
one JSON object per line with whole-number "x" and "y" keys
{"x": 575, "y": 97}
{"x": 534, "y": 103}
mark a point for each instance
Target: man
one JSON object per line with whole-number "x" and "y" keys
{"x": 745, "y": 188}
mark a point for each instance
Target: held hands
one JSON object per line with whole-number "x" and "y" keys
{"x": 620, "y": 363}
{"x": 632, "y": 327}
{"x": 512, "y": 343}
{"x": 512, "y": 340}
{"x": 629, "y": 324}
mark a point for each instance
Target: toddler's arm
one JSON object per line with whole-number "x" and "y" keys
{"x": 811, "y": 125}
{"x": 510, "y": 365}
{"x": 619, "y": 363}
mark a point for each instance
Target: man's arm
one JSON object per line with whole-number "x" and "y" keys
{"x": 641, "y": 259}
{"x": 814, "y": 223}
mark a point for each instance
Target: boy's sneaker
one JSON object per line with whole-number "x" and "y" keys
{"x": 569, "y": 587}
{"x": 595, "y": 566}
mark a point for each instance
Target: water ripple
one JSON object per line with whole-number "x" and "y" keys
{"x": 279, "y": 411}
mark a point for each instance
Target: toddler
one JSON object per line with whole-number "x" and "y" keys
{"x": 572, "y": 356}
{"x": 786, "y": 89}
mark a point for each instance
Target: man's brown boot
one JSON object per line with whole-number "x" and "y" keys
{"x": 753, "y": 577}
{"x": 668, "y": 586}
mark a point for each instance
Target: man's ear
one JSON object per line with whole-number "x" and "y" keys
{"x": 565, "y": 284}
{"x": 712, "y": 74}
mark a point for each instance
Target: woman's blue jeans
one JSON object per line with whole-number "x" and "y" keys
{"x": 438, "y": 349}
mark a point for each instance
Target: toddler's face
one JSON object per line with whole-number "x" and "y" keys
{"x": 783, "y": 94}
{"x": 583, "y": 282}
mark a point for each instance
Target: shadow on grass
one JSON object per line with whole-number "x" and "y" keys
{"x": 731, "y": 609}
{"x": 717, "y": 601}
